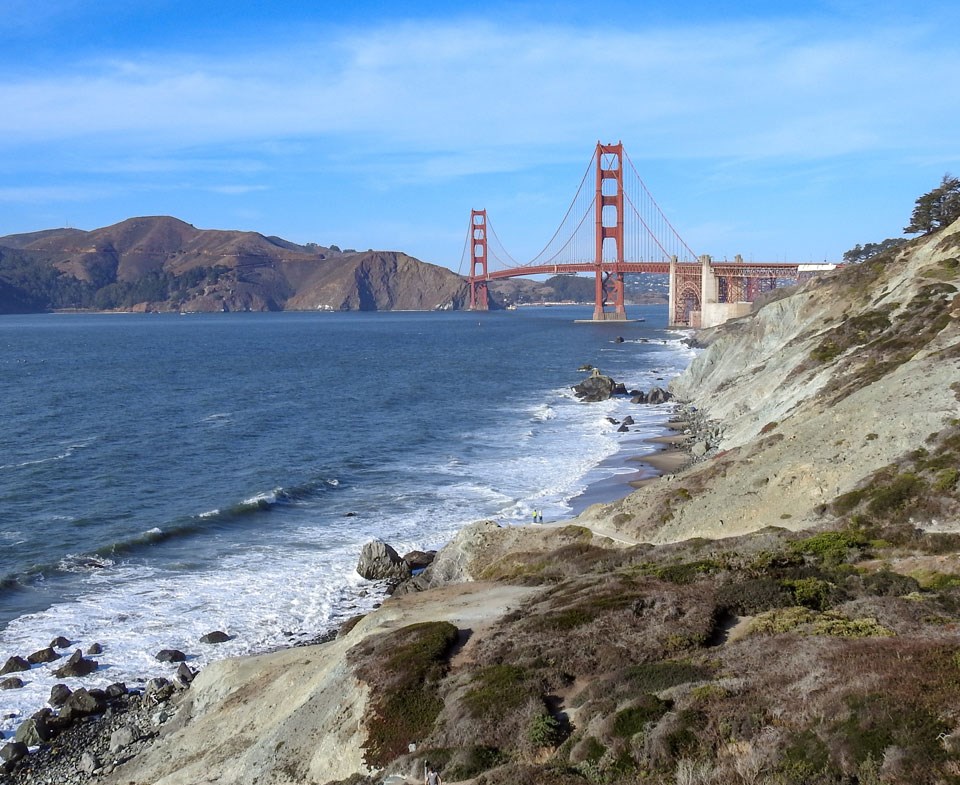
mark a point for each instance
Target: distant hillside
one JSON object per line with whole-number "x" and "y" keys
{"x": 160, "y": 263}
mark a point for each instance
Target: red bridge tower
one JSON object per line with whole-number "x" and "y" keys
{"x": 609, "y": 219}
{"x": 478, "y": 255}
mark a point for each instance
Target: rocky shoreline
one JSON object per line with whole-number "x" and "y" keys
{"x": 79, "y": 747}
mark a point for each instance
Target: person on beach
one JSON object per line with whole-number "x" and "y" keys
{"x": 432, "y": 778}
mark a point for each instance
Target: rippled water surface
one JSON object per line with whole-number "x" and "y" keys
{"x": 162, "y": 476}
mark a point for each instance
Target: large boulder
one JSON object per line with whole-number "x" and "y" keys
{"x": 171, "y": 655}
{"x": 123, "y": 737}
{"x": 598, "y": 387}
{"x": 658, "y": 395}
{"x": 59, "y": 694}
{"x": 34, "y": 732}
{"x": 158, "y": 690}
{"x": 14, "y": 751}
{"x": 82, "y": 703}
{"x": 59, "y": 642}
{"x": 77, "y": 665}
{"x": 419, "y": 560}
{"x": 378, "y": 561}
{"x": 217, "y": 636}
{"x": 44, "y": 655}
{"x": 13, "y": 683}
{"x": 14, "y": 665}
{"x": 89, "y": 763}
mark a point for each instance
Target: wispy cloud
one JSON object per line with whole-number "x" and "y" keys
{"x": 54, "y": 193}
{"x": 236, "y": 190}
{"x": 750, "y": 90}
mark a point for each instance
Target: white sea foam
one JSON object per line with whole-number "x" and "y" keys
{"x": 286, "y": 585}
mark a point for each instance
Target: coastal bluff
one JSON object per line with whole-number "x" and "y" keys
{"x": 782, "y": 610}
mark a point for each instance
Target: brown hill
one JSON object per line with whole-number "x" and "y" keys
{"x": 164, "y": 264}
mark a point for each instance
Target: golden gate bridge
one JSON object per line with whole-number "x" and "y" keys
{"x": 613, "y": 228}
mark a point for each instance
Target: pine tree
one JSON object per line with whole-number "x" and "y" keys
{"x": 936, "y": 209}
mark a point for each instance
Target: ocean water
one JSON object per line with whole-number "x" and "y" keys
{"x": 163, "y": 476}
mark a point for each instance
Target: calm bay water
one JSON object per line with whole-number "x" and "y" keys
{"x": 164, "y": 476}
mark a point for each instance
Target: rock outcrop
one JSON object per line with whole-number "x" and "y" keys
{"x": 379, "y": 561}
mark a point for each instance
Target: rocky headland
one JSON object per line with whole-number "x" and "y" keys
{"x": 784, "y": 609}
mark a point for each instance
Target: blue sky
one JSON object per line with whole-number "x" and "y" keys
{"x": 778, "y": 131}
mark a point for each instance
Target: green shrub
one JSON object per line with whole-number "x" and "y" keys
{"x": 877, "y": 721}
{"x": 753, "y": 595}
{"x": 831, "y": 546}
{"x": 812, "y": 593}
{"x": 593, "y": 750}
{"x": 469, "y": 762}
{"x": 544, "y": 730}
{"x": 778, "y": 621}
{"x": 806, "y": 759}
{"x": 946, "y": 480}
{"x": 838, "y": 626}
{"x": 885, "y": 583}
{"x": 659, "y": 676}
{"x": 687, "y": 572}
{"x": 826, "y": 351}
{"x": 498, "y": 689}
{"x": 402, "y": 669}
{"x": 893, "y": 497}
{"x": 631, "y": 721}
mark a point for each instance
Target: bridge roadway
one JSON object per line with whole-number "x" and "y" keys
{"x": 733, "y": 269}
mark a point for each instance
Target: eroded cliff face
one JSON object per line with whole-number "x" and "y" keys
{"x": 815, "y": 392}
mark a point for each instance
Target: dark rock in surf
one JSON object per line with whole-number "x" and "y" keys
{"x": 171, "y": 655}
{"x": 82, "y": 703}
{"x": 419, "y": 560}
{"x": 116, "y": 690}
{"x": 59, "y": 643}
{"x": 378, "y": 561}
{"x": 14, "y": 665}
{"x": 639, "y": 398}
{"x": 217, "y": 636}
{"x": 158, "y": 690}
{"x": 618, "y": 339}
{"x": 185, "y": 675}
{"x": 596, "y": 388}
{"x": 14, "y": 751}
{"x": 628, "y": 420}
{"x": 34, "y": 732}
{"x": 77, "y": 665}
{"x": 623, "y": 429}
{"x": 44, "y": 655}
{"x": 658, "y": 395}
{"x": 95, "y": 648}
{"x": 13, "y": 683}
{"x": 59, "y": 694}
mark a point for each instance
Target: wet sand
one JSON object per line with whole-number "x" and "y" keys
{"x": 644, "y": 460}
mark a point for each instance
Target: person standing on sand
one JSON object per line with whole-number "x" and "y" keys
{"x": 432, "y": 778}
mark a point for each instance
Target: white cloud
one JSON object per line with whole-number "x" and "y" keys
{"x": 439, "y": 89}
{"x": 53, "y": 193}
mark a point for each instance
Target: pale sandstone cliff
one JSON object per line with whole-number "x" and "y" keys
{"x": 801, "y": 427}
